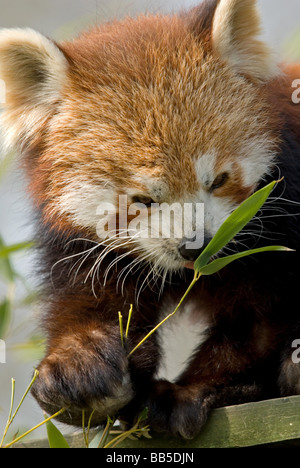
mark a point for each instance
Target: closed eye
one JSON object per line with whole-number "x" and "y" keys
{"x": 142, "y": 199}
{"x": 219, "y": 181}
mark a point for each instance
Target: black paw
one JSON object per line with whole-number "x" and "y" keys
{"x": 177, "y": 410}
{"x": 89, "y": 375}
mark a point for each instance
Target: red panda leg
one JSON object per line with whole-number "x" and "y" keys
{"x": 86, "y": 367}
{"x": 224, "y": 371}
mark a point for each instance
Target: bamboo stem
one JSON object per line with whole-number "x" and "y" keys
{"x": 196, "y": 278}
{"x": 35, "y": 427}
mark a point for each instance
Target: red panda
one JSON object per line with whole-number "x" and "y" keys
{"x": 186, "y": 108}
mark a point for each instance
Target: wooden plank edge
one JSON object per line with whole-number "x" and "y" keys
{"x": 251, "y": 424}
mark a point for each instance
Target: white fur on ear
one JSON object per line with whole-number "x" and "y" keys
{"x": 236, "y": 26}
{"x": 33, "y": 70}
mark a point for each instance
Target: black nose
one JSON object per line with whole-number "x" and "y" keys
{"x": 190, "y": 252}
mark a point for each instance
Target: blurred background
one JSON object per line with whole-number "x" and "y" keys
{"x": 64, "y": 19}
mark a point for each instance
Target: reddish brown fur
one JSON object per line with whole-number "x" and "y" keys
{"x": 146, "y": 99}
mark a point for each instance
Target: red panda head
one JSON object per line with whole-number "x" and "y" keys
{"x": 162, "y": 109}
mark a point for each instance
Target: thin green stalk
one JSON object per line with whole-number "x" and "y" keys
{"x": 128, "y": 321}
{"x": 105, "y": 433}
{"x": 89, "y": 426}
{"x": 34, "y": 428}
{"x": 12, "y": 417}
{"x": 13, "y": 385}
{"x": 83, "y": 428}
{"x": 36, "y": 373}
{"x": 121, "y": 328}
{"x": 86, "y": 430}
{"x": 196, "y": 278}
{"x": 124, "y": 435}
{"x": 117, "y": 440}
{"x": 10, "y": 411}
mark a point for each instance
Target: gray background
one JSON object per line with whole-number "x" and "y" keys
{"x": 62, "y": 19}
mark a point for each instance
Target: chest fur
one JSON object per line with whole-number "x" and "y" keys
{"x": 178, "y": 338}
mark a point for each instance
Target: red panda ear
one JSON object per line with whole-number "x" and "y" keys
{"x": 235, "y": 29}
{"x": 32, "y": 70}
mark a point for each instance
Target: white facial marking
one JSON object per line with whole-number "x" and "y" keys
{"x": 257, "y": 161}
{"x": 216, "y": 211}
{"x": 205, "y": 169}
{"x": 82, "y": 200}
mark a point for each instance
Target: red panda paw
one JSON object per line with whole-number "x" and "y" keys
{"x": 94, "y": 379}
{"x": 177, "y": 410}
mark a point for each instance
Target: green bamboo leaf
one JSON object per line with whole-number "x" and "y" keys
{"x": 31, "y": 350}
{"x": 101, "y": 437}
{"x": 5, "y": 251}
{"x": 55, "y": 437}
{"x": 220, "y": 263}
{"x": 234, "y": 224}
{"x": 96, "y": 440}
{"x": 7, "y": 272}
{"x": 143, "y": 415}
{"x": 5, "y": 316}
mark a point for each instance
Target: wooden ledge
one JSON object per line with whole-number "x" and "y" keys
{"x": 266, "y": 423}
